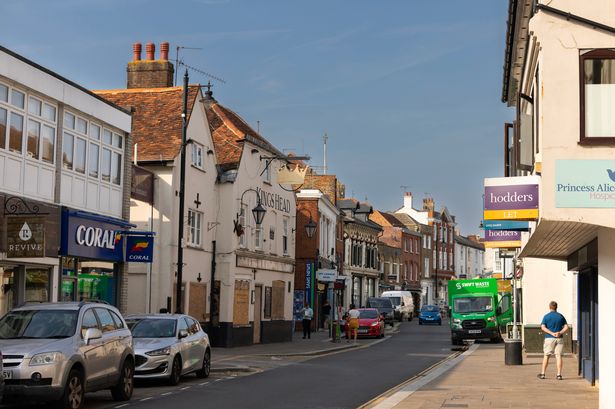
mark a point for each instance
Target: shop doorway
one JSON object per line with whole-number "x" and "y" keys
{"x": 258, "y": 311}
{"x": 7, "y": 293}
{"x": 588, "y": 324}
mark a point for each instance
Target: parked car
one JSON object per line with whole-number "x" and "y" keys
{"x": 430, "y": 314}
{"x": 59, "y": 351}
{"x": 402, "y": 302}
{"x": 385, "y": 306}
{"x": 169, "y": 346}
{"x": 371, "y": 323}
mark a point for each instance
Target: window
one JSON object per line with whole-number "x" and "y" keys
{"x": 272, "y": 247}
{"x": 197, "y": 155}
{"x": 93, "y": 160}
{"x": 3, "y": 123}
{"x": 69, "y": 120}
{"x": 426, "y": 268}
{"x": 597, "y": 96}
{"x": 107, "y": 137}
{"x": 95, "y": 132}
{"x": 117, "y": 141}
{"x": 119, "y": 324}
{"x": 116, "y": 168}
{"x": 34, "y": 134}
{"x": 258, "y": 237}
{"x": 34, "y": 106}
{"x": 18, "y": 99}
{"x": 285, "y": 235}
{"x": 194, "y": 228}
{"x": 16, "y": 132}
{"x": 105, "y": 167}
{"x": 88, "y": 321}
{"x": 79, "y": 158}
{"x": 49, "y": 112}
{"x": 67, "y": 151}
{"x": 48, "y": 136}
{"x": 4, "y": 93}
{"x": 242, "y": 222}
{"x": 106, "y": 321}
{"x": 182, "y": 325}
{"x": 82, "y": 126}
{"x": 267, "y": 309}
{"x": 267, "y": 174}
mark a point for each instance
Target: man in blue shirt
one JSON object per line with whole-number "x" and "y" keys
{"x": 554, "y": 326}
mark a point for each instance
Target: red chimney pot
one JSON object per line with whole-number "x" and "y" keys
{"x": 136, "y": 51}
{"x": 164, "y": 51}
{"x": 150, "y": 50}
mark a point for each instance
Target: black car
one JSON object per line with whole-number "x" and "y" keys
{"x": 384, "y": 306}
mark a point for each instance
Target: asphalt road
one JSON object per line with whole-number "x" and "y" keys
{"x": 340, "y": 380}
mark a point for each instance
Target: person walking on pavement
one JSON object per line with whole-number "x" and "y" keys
{"x": 326, "y": 313}
{"x": 307, "y": 314}
{"x": 554, "y": 326}
{"x": 353, "y": 322}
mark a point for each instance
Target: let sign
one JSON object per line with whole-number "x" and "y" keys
{"x": 513, "y": 198}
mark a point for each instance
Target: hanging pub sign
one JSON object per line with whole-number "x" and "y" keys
{"x": 25, "y": 236}
{"x": 140, "y": 249}
{"x": 92, "y": 236}
{"x": 512, "y": 198}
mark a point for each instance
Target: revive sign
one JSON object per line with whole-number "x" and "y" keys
{"x": 513, "y": 198}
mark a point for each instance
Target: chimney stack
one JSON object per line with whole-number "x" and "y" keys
{"x": 428, "y": 204}
{"x": 408, "y": 200}
{"x": 150, "y": 73}
{"x": 136, "y": 52}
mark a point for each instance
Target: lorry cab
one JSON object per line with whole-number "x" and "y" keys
{"x": 478, "y": 311}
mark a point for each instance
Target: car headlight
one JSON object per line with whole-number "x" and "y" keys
{"x": 159, "y": 352}
{"x": 46, "y": 358}
{"x": 375, "y": 324}
{"x": 456, "y": 321}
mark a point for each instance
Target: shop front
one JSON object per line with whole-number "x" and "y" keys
{"x": 92, "y": 255}
{"x": 28, "y": 251}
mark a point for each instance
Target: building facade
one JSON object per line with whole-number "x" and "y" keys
{"x": 469, "y": 257}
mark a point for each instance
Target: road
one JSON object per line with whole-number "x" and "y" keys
{"x": 339, "y": 380}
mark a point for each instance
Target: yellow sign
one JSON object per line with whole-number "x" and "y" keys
{"x": 504, "y": 286}
{"x": 520, "y": 214}
{"x": 502, "y": 244}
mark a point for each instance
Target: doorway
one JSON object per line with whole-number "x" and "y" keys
{"x": 588, "y": 324}
{"x": 258, "y": 311}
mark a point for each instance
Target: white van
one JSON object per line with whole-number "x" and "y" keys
{"x": 402, "y": 302}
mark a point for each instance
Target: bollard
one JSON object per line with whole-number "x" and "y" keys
{"x": 512, "y": 351}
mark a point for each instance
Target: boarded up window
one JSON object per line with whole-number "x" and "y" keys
{"x": 267, "y": 309}
{"x": 197, "y": 305}
{"x": 242, "y": 303}
{"x": 277, "y": 300}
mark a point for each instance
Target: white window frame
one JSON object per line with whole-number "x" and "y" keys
{"x": 195, "y": 228}
{"x": 242, "y": 221}
{"x": 258, "y": 237}
{"x": 196, "y": 157}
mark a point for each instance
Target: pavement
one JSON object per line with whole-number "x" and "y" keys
{"x": 478, "y": 378}
{"x": 255, "y": 357}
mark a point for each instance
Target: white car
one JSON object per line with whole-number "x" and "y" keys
{"x": 169, "y": 346}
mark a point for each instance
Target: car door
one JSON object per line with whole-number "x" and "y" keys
{"x": 111, "y": 343}
{"x": 183, "y": 343}
{"x": 197, "y": 348}
{"x": 94, "y": 352}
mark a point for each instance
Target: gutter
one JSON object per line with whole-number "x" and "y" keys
{"x": 578, "y": 19}
{"x": 510, "y": 32}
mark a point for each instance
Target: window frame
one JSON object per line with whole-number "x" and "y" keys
{"x": 197, "y": 149}
{"x": 594, "y": 54}
{"x": 198, "y": 230}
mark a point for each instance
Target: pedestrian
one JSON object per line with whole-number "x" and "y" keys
{"x": 307, "y": 313}
{"x": 554, "y": 326}
{"x": 326, "y": 313}
{"x": 353, "y": 323}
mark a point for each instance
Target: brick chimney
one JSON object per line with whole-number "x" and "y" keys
{"x": 150, "y": 73}
{"x": 428, "y": 204}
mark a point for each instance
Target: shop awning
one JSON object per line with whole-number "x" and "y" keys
{"x": 555, "y": 239}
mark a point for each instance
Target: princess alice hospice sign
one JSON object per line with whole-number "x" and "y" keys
{"x": 513, "y": 198}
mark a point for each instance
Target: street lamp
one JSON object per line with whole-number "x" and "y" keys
{"x": 258, "y": 212}
{"x": 310, "y": 227}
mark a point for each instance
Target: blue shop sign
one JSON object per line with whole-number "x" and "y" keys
{"x": 506, "y": 225}
{"x": 140, "y": 249}
{"x": 92, "y": 236}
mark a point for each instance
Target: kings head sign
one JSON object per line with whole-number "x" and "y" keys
{"x": 513, "y": 198}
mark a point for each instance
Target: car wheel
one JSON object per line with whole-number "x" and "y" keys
{"x": 122, "y": 391}
{"x": 206, "y": 368}
{"x": 439, "y": 322}
{"x": 176, "y": 371}
{"x": 74, "y": 391}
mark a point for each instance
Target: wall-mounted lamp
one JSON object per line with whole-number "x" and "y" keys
{"x": 258, "y": 212}
{"x": 310, "y": 227}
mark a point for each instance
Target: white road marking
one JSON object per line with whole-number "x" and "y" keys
{"x": 122, "y": 405}
{"x": 166, "y": 393}
{"x": 184, "y": 388}
{"x": 204, "y": 383}
{"x": 144, "y": 399}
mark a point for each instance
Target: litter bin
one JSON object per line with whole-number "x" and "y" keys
{"x": 512, "y": 352}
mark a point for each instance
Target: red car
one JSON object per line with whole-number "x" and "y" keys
{"x": 371, "y": 323}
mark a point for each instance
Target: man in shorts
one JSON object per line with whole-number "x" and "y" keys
{"x": 554, "y": 326}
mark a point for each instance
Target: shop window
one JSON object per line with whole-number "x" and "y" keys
{"x": 597, "y": 96}
{"x": 37, "y": 285}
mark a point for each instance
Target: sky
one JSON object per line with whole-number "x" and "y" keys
{"x": 407, "y": 91}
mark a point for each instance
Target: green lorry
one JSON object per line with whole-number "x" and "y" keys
{"x": 478, "y": 310}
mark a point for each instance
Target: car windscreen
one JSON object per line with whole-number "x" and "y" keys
{"x": 380, "y": 303}
{"x": 395, "y": 300}
{"x": 38, "y": 324}
{"x": 152, "y": 327}
{"x": 473, "y": 304}
{"x": 368, "y": 314}
{"x": 429, "y": 308}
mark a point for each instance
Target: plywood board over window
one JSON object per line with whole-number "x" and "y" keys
{"x": 197, "y": 304}
{"x": 241, "y": 303}
{"x": 277, "y": 300}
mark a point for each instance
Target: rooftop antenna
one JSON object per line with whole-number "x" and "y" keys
{"x": 324, "y": 159}
{"x": 177, "y": 62}
{"x": 404, "y": 187}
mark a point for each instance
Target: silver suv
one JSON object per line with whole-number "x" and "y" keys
{"x": 59, "y": 351}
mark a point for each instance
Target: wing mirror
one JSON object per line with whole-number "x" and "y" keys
{"x": 182, "y": 334}
{"x": 90, "y": 334}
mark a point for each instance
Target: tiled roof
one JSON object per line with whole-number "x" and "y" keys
{"x": 469, "y": 243}
{"x": 229, "y": 131}
{"x": 156, "y": 120}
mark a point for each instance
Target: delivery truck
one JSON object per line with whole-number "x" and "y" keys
{"x": 478, "y": 310}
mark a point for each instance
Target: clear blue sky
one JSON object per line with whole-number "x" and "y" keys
{"x": 408, "y": 91}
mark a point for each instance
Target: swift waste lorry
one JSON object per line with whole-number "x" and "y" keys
{"x": 478, "y": 310}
